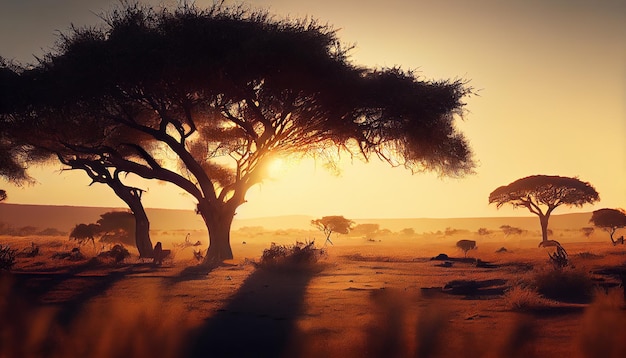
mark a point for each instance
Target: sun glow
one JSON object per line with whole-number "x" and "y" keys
{"x": 277, "y": 168}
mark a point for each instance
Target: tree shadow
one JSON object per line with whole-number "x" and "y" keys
{"x": 259, "y": 320}
{"x": 69, "y": 289}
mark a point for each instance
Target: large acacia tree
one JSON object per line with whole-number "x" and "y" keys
{"x": 541, "y": 194}
{"x": 212, "y": 96}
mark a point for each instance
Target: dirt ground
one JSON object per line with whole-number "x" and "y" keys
{"x": 365, "y": 298}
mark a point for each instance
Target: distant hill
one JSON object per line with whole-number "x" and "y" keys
{"x": 64, "y": 218}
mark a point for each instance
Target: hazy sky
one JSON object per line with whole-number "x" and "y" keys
{"x": 551, "y": 77}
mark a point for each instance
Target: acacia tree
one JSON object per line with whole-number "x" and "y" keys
{"x": 609, "y": 220}
{"x": 218, "y": 93}
{"x": 333, "y": 224}
{"x": 541, "y": 194}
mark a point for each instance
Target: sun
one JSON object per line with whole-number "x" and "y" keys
{"x": 276, "y": 168}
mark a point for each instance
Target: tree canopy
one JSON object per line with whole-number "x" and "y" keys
{"x": 609, "y": 220}
{"x": 333, "y": 224}
{"x": 541, "y": 194}
{"x": 205, "y": 99}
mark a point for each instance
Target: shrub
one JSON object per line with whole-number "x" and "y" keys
{"x": 7, "y": 257}
{"x": 300, "y": 254}
{"x": 523, "y": 298}
{"x": 118, "y": 253}
{"x": 567, "y": 285}
{"x": 73, "y": 255}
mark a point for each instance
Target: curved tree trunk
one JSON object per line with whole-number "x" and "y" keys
{"x": 142, "y": 232}
{"x": 132, "y": 197}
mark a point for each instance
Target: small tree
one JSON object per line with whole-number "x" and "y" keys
{"x": 610, "y": 220}
{"x": 483, "y": 232}
{"x": 369, "y": 231}
{"x": 541, "y": 194}
{"x": 466, "y": 245}
{"x": 330, "y": 224}
{"x": 118, "y": 227}
{"x": 83, "y": 233}
{"x": 511, "y": 230}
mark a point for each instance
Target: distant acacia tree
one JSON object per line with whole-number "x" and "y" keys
{"x": 610, "y": 220}
{"x": 333, "y": 224}
{"x": 112, "y": 227}
{"x": 483, "y": 232}
{"x": 83, "y": 233}
{"x": 511, "y": 230}
{"x": 118, "y": 227}
{"x": 541, "y": 194}
{"x": 368, "y": 230}
{"x": 206, "y": 99}
{"x": 587, "y": 231}
{"x": 466, "y": 245}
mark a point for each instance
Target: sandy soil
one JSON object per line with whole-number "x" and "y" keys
{"x": 381, "y": 298}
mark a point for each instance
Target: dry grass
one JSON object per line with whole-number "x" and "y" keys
{"x": 524, "y": 299}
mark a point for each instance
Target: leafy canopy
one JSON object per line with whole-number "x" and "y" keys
{"x": 548, "y": 190}
{"x": 608, "y": 219}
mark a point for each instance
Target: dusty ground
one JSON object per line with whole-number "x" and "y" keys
{"x": 366, "y": 298}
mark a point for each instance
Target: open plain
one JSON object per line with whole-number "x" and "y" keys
{"x": 381, "y": 295}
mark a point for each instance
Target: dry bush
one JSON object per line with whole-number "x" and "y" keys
{"x": 523, "y": 298}
{"x": 117, "y": 254}
{"x": 566, "y": 285}
{"x": 7, "y": 257}
{"x": 301, "y": 254}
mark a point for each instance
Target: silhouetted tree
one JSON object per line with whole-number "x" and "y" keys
{"x": 511, "y": 230}
{"x": 610, "y": 220}
{"x": 541, "y": 194}
{"x": 216, "y": 94}
{"x": 466, "y": 245}
{"x": 333, "y": 224}
{"x": 118, "y": 227}
{"x": 3, "y": 195}
{"x": 483, "y": 231}
{"x": 84, "y": 233}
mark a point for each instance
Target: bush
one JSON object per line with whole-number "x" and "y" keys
{"x": 118, "y": 253}
{"x": 523, "y": 298}
{"x": 73, "y": 255}
{"x": 7, "y": 257}
{"x": 566, "y": 285}
{"x": 300, "y": 254}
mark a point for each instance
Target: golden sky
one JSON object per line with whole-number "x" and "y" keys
{"x": 551, "y": 77}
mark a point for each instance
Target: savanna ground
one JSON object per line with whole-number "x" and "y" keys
{"x": 380, "y": 297}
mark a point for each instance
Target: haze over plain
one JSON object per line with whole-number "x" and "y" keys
{"x": 551, "y": 78}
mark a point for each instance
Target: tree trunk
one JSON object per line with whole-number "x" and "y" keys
{"x": 142, "y": 233}
{"x": 132, "y": 198}
{"x": 543, "y": 219}
{"x": 218, "y": 221}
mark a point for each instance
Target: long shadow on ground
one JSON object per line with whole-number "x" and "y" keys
{"x": 70, "y": 288}
{"x": 259, "y": 320}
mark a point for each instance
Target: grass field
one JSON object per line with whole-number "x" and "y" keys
{"x": 375, "y": 297}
